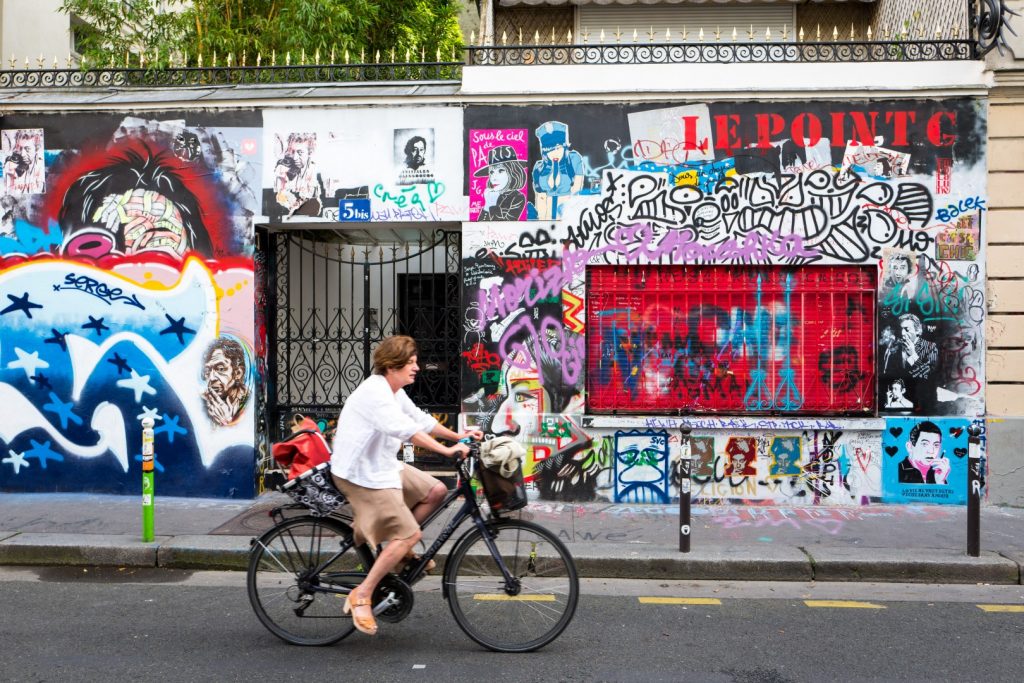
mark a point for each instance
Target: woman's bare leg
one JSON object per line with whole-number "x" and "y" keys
{"x": 393, "y": 554}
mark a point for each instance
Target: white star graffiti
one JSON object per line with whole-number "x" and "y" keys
{"x": 148, "y": 412}
{"x": 139, "y": 384}
{"x": 29, "y": 362}
{"x": 16, "y": 460}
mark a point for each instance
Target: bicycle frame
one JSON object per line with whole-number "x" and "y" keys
{"x": 469, "y": 509}
{"x": 413, "y": 571}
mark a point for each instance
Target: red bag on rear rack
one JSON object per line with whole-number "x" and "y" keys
{"x": 303, "y": 450}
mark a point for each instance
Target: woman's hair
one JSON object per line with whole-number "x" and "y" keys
{"x": 516, "y": 175}
{"x": 393, "y": 352}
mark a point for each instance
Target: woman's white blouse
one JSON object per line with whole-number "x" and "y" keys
{"x": 371, "y": 428}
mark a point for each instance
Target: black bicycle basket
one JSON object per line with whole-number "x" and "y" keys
{"x": 315, "y": 489}
{"x": 504, "y": 494}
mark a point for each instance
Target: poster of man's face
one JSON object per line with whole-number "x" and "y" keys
{"x": 414, "y": 155}
{"x": 23, "y": 164}
{"x": 225, "y": 375}
{"x": 785, "y": 453}
{"x": 925, "y": 460}
{"x": 741, "y": 454}
{"x": 702, "y": 453}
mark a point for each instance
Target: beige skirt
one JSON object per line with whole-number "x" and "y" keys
{"x": 416, "y": 485}
{"x": 382, "y": 515}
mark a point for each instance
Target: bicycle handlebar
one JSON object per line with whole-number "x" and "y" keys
{"x": 471, "y": 457}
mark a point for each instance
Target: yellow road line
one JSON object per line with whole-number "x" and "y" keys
{"x": 680, "y": 601}
{"x": 1001, "y": 608}
{"x": 516, "y": 598}
{"x": 849, "y": 604}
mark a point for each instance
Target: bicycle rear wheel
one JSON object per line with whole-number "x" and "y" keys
{"x": 282, "y": 579}
{"x": 526, "y": 615}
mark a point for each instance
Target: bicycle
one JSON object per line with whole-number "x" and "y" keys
{"x": 510, "y": 584}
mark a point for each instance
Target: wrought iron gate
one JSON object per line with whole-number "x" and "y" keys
{"x": 335, "y": 294}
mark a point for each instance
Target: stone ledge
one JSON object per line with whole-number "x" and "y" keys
{"x": 911, "y": 566}
{"x": 79, "y": 549}
{"x": 205, "y": 552}
{"x": 721, "y": 562}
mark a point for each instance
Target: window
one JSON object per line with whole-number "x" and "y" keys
{"x": 647, "y": 18}
{"x": 731, "y": 339}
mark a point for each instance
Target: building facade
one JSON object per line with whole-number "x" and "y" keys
{"x": 779, "y": 267}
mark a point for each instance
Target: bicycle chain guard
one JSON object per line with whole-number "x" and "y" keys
{"x": 391, "y": 584}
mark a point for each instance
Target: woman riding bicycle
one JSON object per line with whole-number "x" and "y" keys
{"x": 389, "y": 498}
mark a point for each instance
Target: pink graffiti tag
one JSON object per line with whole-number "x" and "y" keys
{"x": 549, "y": 339}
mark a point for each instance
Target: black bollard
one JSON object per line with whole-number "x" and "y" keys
{"x": 685, "y": 470}
{"x": 975, "y": 487}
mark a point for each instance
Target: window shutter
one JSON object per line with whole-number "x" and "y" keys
{"x": 642, "y": 18}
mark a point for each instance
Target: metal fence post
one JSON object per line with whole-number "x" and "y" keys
{"x": 685, "y": 469}
{"x": 147, "y": 480}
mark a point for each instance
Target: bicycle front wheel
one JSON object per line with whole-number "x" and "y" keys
{"x": 527, "y": 613}
{"x": 287, "y": 574}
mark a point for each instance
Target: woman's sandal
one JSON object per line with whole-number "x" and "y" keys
{"x": 367, "y": 625}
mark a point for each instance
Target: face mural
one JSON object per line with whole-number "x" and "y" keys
{"x": 767, "y": 270}
{"x": 126, "y": 292}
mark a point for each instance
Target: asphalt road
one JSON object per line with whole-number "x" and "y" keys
{"x": 70, "y": 624}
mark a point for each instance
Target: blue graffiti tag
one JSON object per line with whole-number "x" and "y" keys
{"x": 108, "y": 295}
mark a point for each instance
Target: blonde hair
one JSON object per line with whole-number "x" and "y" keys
{"x": 393, "y": 352}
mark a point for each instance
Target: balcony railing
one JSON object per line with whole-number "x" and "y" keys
{"x": 722, "y": 53}
{"x": 229, "y": 75}
{"x": 987, "y": 22}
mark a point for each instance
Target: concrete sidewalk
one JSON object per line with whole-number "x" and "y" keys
{"x": 729, "y": 542}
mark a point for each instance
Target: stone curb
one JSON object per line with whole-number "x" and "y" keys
{"x": 711, "y": 562}
{"x": 204, "y": 552}
{"x": 593, "y": 560}
{"x": 79, "y": 549}
{"x": 917, "y": 566}
{"x": 1017, "y": 557}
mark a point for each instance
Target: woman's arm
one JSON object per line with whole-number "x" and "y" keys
{"x": 443, "y": 432}
{"x": 424, "y": 440}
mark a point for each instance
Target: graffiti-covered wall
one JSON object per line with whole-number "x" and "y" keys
{"x": 126, "y": 292}
{"x": 785, "y": 260}
{"x": 361, "y": 165}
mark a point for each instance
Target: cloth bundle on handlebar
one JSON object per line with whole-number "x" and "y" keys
{"x": 502, "y": 473}
{"x": 502, "y": 454}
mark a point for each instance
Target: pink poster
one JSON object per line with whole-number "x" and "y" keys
{"x": 497, "y": 174}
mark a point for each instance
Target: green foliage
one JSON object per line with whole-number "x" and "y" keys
{"x": 163, "y": 32}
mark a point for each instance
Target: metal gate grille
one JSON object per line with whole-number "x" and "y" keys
{"x": 337, "y": 295}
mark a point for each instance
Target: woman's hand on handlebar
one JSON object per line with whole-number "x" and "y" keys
{"x": 471, "y": 433}
{"x": 459, "y": 450}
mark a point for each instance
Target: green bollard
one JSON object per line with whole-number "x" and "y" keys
{"x": 147, "y": 480}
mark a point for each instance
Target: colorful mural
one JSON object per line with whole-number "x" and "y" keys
{"x": 127, "y": 288}
{"x": 775, "y": 271}
{"x": 683, "y": 259}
